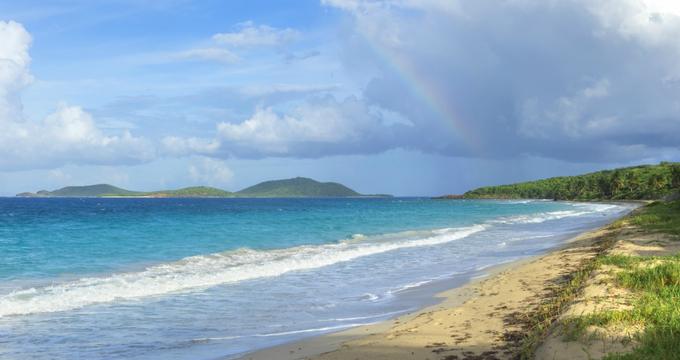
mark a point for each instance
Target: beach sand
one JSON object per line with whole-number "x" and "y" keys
{"x": 484, "y": 319}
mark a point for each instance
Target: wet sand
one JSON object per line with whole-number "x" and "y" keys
{"x": 484, "y": 319}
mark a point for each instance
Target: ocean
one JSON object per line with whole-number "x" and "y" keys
{"x": 91, "y": 278}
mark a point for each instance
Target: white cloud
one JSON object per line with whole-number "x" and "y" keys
{"x": 316, "y": 128}
{"x": 273, "y": 132}
{"x": 210, "y": 172}
{"x": 312, "y": 129}
{"x": 232, "y": 47}
{"x": 248, "y": 34}
{"x": 67, "y": 135}
{"x": 259, "y": 90}
{"x": 14, "y": 63}
{"x": 210, "y": 54}
{"x": 654, "y": 22}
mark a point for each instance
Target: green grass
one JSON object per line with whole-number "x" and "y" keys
{"x": 574, "y": 328}
{"x": 622, "y": 261}
{"x": 655, "y": 277}
{"x": 655, "y": 283}
{"x": 541, "y": 320}
{"x": 659, "y": 217}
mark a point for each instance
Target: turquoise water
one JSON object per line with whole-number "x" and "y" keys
{"x": 209, "y": 278}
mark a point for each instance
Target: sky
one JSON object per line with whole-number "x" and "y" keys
{"x": 404, "y": 97}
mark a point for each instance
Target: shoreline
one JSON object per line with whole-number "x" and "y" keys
{"x": 470, "y": 320}
{"x": 323, "y": 343}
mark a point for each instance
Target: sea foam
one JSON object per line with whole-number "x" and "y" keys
{"x": 204, "y": 271}
{"x": 584, "y": 209}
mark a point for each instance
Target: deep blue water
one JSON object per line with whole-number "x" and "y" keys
{"x": 208, "y": 278}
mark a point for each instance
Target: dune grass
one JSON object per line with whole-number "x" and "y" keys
{"x": 659, "y": 217}
{"x": 655, "y": 282}
{"x": 541, "y": 320}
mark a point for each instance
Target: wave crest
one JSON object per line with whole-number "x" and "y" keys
{"x": 199, "y": 272}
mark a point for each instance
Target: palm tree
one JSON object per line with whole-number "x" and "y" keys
{"x": 618, "y": 182}
{"x": 675, "y": 176}
{"x": 656, "y": 183}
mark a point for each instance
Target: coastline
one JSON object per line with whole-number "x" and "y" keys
{"x": 483, "y": 318}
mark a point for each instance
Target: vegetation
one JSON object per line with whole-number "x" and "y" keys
{"x": 297, "y": 187}
{"x": 639, "y": 182}
{"x": 195, "y": 191}
{"x": 89, "y": 190}
{"x": 654, "y": 280}
{"x": 659, "y": 217}
{"x": 541, "y": 319}
{"x": 655, "y": 284}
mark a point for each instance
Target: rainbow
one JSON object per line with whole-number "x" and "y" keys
{"x": 428, "y": 93}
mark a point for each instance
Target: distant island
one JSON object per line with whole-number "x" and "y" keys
{"x": 644, "y": 182}
{"x": 295, "y": 187}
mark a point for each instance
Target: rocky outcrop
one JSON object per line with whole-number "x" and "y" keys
{"x": 27, "y": 194}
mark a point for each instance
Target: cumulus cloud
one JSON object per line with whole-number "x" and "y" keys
{"x": 248, "y": 34}
{"x": 316, "y": 128}
{"x": 67, "y": 135}
{"x": 181, "y": 146}
{"x": 14, "y": 63}
{"x": 210, "y": 171}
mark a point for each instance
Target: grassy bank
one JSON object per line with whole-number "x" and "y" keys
{"x": 655, "y": 284}
{"x": 663, "y": 217}
{"x": 540, "y": 322}
{"x": 650, "y": 318}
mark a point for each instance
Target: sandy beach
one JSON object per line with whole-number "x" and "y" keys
{"x": 484, "y": 319}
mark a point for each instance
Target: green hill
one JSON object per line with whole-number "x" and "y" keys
{"x": 632, "y": 183}
{"x": 194, "y": 191}
{"x": 88, "y": 191}
{"x": 297, "y": 187}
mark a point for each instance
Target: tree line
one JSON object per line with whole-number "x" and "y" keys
{"x": 631, "y": 183}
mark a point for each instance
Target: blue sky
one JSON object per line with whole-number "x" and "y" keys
{"x": 405, "y": 97}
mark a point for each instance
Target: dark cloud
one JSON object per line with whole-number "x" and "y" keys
{"x": 544, "y": 78}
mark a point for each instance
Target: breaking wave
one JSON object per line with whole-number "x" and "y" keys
{"x": 200, "y": 272}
